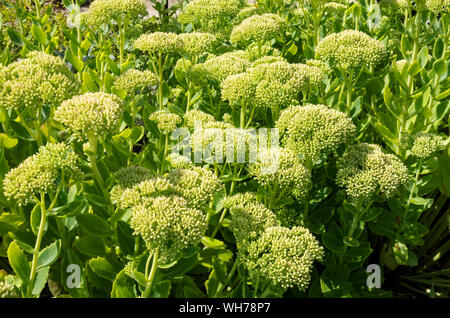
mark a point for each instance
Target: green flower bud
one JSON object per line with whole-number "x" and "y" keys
{"x": 312, "y": 131}
{"x": 103, "y": 11}
{"x": 168, "y": 224}
{"x": 165, "y": 120}
{"x": 35, "y": 82}
{"x": 90, "y": 114}
{"x": 197, "y": 185}
{"x": 282, "y": 255}
{"x": 438, "y": 6}
{"x": 425, "y": 145}
{"x": 159, "y": 42}
{"x": 133, "y": 80}
{"x": 198, "y": 43}
{"x": 249, "y": 218}
{"x": 351, "y": 49}
{"x": 196, "y": 115}
{"x": 364, "y": 170}
{"x": 40, "y": 173}
{"x": 127, "y": 177}
{"x": 289, "y": 177}
{"x": 258, "y": 28}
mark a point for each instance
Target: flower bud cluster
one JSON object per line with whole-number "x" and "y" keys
{"x": 41, "y": 173}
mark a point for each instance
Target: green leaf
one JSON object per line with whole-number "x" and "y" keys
{"x": 213, "y": 243}
{"x": 162, "y": 289}
{"x": 20, "y": 131}
{"x": 10, "y": 222}
{"x": 49, "y": 255}
{"x": 8, "y": 142}
{"x": 438, "y": 48}
{"x": 94, "y": 225}
{"x": 190, "y": 292}
{"x": 19, "y": 262}
{"x": 385, "y": 132}
{"x": 103, "y": 268}
{"x": 123, "y": 286}
{"x": 95, "y": 280}
{"x": 385, "y": 224}
{"x": 405, "y": 45}
{"x": 113, "y": 66}
{"x": 125, "y": 237}
{"x": 39, "y": 35}
{"x": 423, "y": 56}
{"x": 14, "y": 36}
{"x": 75, "y": 61}
{"x": 40, "y": 280}
{"x": 92, "y": 246}
{"x": 414, "y": 68}
{"x": 70, "y": 209}
{"x": 333, "y": 238}
{"x": 358, "y": 254}
{"x": 443, "y": 95}
{"x": 334, "y": 281}
{"x": 351, "y": 241}
{"x": 89, "y": 82}
{"x": 440, "y": 67}
{"x": 212, "y": 284}
{"x": 403, "y": 255}
{"x": 371, "y": 214}
{"x": 220, "y": 270}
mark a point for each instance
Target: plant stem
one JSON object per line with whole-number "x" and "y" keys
{"x": 37, "y": 246}
{"x": 152, "y": 274}
{"x": 160, "y": 77}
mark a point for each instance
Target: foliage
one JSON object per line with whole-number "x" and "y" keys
{"x": 115, "y": 153}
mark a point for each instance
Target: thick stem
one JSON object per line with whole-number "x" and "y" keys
{"x": 152, "y": 274}
{"x": 37, "y": 245}
{"x": 160, "y": 76}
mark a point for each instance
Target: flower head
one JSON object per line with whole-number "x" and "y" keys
{"x": 35, "y": 82}
{"x": 127, "y": 177}
{"x": 159, "y": 42}
{"x": 103, "y": 11}
{"x": 438, "y": 6}
{"x": 218, "y": 68}
{"x": 258, "y": 28}
{"x": 426, "y": 144}
{"x": 268, "y": 85}
{"x": 289, "y": 178}
{"x": 134, "y": 80}
{"x": 314, "y": 130}
{"x": 364, "y": 170}
{"x": 204, "y": 11}
{"x": 137, "y": 194}
{"x": 282, "y": 255}
{"x": 193, "y": 116}
{"x": 168, "y": 224}
{"x": 165, "y": 120}
{"x": 90, "y": 114}
{"x": 198, "y": 43}
{"x": 197, "y": 185}
{"x": 40, "y": 173}
{"x": 249, "y": 218}
{"x": 247, "y": 12}
{"x": 7, "y": 288}
{"x": 351, "y": 49}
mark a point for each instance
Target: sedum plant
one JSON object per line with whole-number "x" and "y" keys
{"x": 35, "y": 86}
{"x": 313, "y": 131}
{"x": 224, "y": 149}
